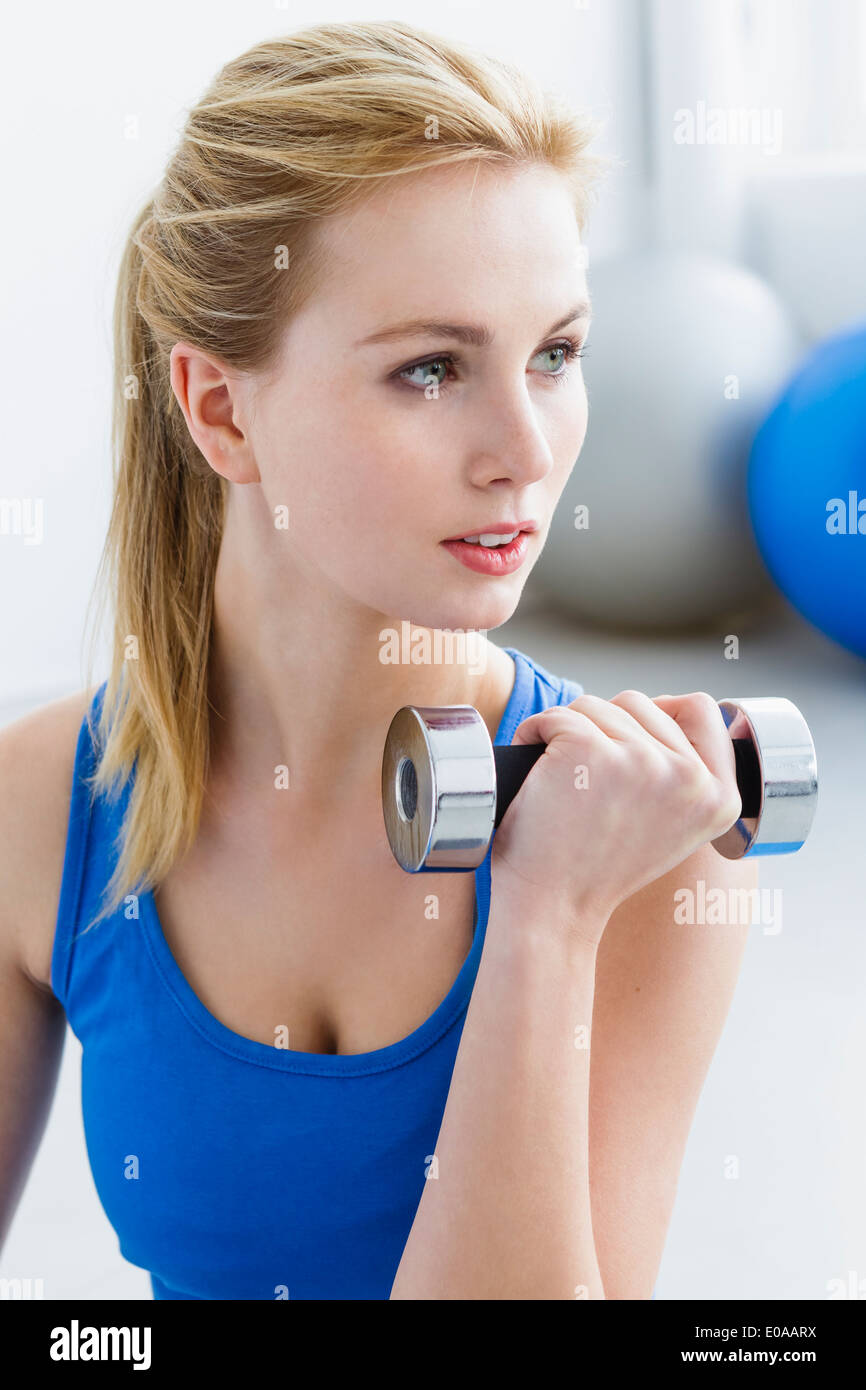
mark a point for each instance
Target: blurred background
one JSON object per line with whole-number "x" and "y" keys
{"x": 712, "y": 536}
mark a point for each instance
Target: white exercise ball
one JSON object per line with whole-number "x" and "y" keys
{"x": 684, "y": 358}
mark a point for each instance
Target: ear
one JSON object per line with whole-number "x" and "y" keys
{"x": 211, "y": 396}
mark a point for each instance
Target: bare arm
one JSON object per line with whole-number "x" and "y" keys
{"x": 530, "y": 1202}
{"x": 36, "y": 757}
{"x": 662, "y": 992}
{"x": 32, "y": 1029}
{"x": 508, "y": 1216}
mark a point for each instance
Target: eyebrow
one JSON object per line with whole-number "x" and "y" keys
{"x": 475, "y": 334}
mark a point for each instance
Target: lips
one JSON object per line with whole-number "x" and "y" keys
{"x": 490, "y": 560}
{"x": 498, "y": 528}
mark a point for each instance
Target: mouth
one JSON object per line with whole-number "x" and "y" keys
{"x": 497, "y": 532}
{"x": 499, "y": 550}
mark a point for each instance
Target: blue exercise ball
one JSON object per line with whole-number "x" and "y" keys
{"x": 807, "y": 490}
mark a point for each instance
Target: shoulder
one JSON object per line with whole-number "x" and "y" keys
{"x": 37, "y": 759}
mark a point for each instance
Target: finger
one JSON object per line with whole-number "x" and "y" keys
{"x": 618, "y": 724}
{"x": 702, "y": 722}
{"x": 549, "y": 723}
{"x": 655, "y": 720}
{"x": 623, "y": 719}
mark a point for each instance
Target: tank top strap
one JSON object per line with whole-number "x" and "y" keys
{"x": 84, "y": 828}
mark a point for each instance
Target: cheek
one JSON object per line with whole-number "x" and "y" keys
{"x": 321, "y": 452}
{"x": 392, "y": 461}
{"x": 352, "y": 493}
{"x": 569, "y": 439}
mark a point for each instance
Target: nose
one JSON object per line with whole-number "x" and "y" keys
{"x": 510, "y": 444}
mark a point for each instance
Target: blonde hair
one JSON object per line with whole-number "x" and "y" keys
{"x": 288, "y": 133}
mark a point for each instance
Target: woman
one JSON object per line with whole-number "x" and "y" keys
{"x": 348, "y": 330}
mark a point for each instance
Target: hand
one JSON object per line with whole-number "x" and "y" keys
{"x": 658, "y": 781}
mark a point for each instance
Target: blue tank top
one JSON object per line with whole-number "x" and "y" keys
{"x": 230, "y": 1168}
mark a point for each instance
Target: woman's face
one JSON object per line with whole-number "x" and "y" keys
{"x": 386, "y": 440}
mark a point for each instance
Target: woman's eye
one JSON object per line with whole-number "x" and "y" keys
{"x": 426, "y": 373}
{"x": 558, "y": 355}
{"x": 435, "y": 370}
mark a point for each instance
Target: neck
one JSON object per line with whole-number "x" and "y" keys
{"x": 300, "y": 677}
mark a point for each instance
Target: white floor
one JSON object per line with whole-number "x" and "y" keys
{"x": 786, "y": 1089}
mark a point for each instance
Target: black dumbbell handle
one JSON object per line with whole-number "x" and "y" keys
{"x": 513, "y": 762}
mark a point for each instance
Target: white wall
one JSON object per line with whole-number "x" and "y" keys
{"x": 790, "y": 204}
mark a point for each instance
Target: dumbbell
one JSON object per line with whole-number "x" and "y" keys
{"x": 445, "y": 787}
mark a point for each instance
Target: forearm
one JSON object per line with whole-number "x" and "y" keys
{"x": 508, "y": 1215}
{"x": 662, "y": 992}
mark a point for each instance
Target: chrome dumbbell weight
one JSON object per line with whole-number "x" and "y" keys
{"x": 445, "y": 787}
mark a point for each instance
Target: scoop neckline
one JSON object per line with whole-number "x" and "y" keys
{"x": 394, "y": 1054}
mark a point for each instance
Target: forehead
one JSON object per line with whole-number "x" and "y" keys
{"x": 452, "y": 239}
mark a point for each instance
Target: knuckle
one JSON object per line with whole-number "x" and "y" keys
{"x": 697, "y": 788}
{"x": 722, "y": 806}
{"x": 691, "y": 772}
{"x": 704, "y": 702}
{"x": 578, "y": 719}
{"x": 732, "y": 805}
{"x": 655, "y": 764}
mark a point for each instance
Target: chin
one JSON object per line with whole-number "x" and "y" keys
{"x": 481, "y": 616}
{"x": 427, "y": 603}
